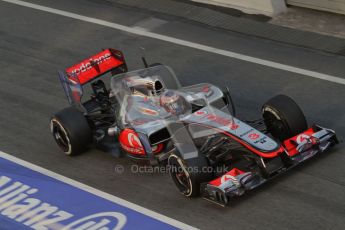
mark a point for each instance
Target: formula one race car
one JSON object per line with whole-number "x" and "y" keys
{"x": 193, "y": 130}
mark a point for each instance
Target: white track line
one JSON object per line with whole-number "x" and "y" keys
{"x": 209, "y": 49}
{"x": 99, "y": 193}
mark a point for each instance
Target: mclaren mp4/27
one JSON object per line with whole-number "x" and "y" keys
{"x": 147, "y": 115}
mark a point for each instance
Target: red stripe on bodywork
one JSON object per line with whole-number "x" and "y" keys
{"x": 256, "y": 151}
{"x": 271, "y": 154}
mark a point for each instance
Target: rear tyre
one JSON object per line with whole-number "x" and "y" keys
{"x": 189, "y": 174}
{"x": 71, "y": 131}
{"x": 283, "y": 117}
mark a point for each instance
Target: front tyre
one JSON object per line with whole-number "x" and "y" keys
{"x": 283, "y": 117}
{"x": 71, "y": 131}
{"x": 189, "y": 174}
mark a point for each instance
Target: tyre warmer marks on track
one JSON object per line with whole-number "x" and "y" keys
{"x": 35, "y": 198}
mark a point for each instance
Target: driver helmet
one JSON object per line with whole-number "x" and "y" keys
{"x": 173, "y": 102}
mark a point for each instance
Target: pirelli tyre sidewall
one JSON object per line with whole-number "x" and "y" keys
{"x": 71, "y": 131}
{"x": 283, "y": 117}
{"x": 191, "y": 177}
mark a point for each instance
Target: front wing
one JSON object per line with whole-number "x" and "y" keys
{"x": 299, "y": 148}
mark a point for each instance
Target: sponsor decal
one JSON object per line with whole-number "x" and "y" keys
{"x": 93, "y": 67}
{"x": 228, "y": 177}
{"x": 130, "y": 142}
{"x": 31, "y": 200}
{"x": 301, "y": 138}
{"x": 200, "y": 113}
{"x": 133, "y": 140}
{"x": 254, "y": 136}
{"x": 149, "y": 112}
{"x": 98, "y": 221}
{"x": 222, "y": 121}
{"x": 233, "y": 126}
{"x": 261, "y": 140}
{"x": 90, "y": 63}
{"x": 17, "y": 202}
{"x": 206, "y": 89}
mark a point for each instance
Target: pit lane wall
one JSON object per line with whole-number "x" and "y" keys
{"x": 266, "y": 7}
{"x": 336, "y": 6}
{"x": 274, "y": 7}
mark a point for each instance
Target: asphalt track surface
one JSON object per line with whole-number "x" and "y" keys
{"x": 35, "y": 44}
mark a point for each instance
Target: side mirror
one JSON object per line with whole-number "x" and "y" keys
{"x": 143, "y": 58}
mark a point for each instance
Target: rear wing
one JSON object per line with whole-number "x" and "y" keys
{"x": 109, "y": 60}
{"x": 74, "y": 77}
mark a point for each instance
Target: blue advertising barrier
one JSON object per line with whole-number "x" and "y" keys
{"x": 34, "y": 198}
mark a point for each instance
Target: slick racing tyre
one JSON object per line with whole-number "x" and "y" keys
{"x": 71, "y": 131}
{"x": 189, "y": 174}
{"x": 283, "y": 117}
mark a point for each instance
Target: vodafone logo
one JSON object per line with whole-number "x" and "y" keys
{"x": 253, "y": 136}
{"x": 88, "y": 64}
{"x": 301, "y": 138}
{"x": 133, "y": 140}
